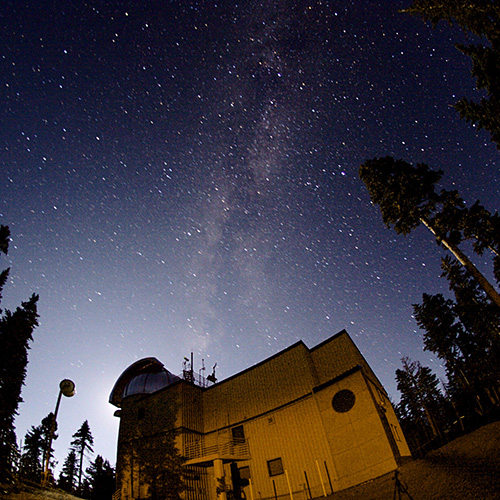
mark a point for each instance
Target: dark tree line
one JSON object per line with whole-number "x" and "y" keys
{"x": 36, "y": 448}
{"x": 463, "y": 327}
{"x": 16, "y": 329}
{"x": 95, "y": 482}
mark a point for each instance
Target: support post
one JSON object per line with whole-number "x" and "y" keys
{"x": 66, "y": 387}
{"x": 289, "y": 487}
{"x": 321, "y": 479}
{"x": 220, "y": 480}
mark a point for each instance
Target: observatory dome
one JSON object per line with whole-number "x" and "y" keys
{"x": 145, "y": 376}
{"x": 147, "y": 383}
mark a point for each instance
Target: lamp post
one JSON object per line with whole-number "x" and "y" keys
{"x": 66, "y": 388}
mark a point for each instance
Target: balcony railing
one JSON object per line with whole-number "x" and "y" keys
{"x": 232, "y": 448}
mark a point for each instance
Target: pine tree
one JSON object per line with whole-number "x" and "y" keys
{"x": 464, "y": 333}
{"x": 483, "y": 229}
{"x": 82, "y": 443}
{"x": 31, "y": 459}
{"x": 407, "y": 198}
{"x": 476, "y": 312}
{"x": 101, "y": 479}
{"x": 47, "y": 427}
{"x": 443, "y": 332}
{"x": 481, "y": 322}
{"x": 421, "y": 399}
{"x": 68, "y": 476}
{"x": 157, "y": 457}
{"x": 481, "y": 18}
{"x": 162, "y": 467}
{"x": 16, "y": 329}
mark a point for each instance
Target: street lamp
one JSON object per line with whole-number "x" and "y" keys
{"x": 66, "y": 388}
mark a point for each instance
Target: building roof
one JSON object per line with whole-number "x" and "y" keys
{"x": 148, "y": 375}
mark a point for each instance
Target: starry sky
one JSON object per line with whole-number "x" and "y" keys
{"x": 182, "y": 176}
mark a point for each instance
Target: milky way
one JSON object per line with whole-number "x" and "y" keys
{"x": 182, "y": 176}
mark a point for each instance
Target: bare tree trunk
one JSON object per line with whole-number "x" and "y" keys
{"x": 80, "y": 473}
{"x": 464, "y": 260}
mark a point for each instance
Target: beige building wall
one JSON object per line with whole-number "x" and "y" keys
{"x": 295, "y": 435}
{"x": 336, "y": 356}
{"x": 262, "y": 388}
{"x": 386, "y": 411}
{"x": 357, "y": 438}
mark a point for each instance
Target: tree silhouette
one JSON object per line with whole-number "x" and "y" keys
{"x": 481, "y": 18}
{"x": 407, "y": 198}
{"x": 149, "y": 458}
{"x": 47, "y": 428}
{"x": 82, "y": 443}
{"x": 446, "y": 336}
{"x": 481, "y": 321}
{"x": 464, "y": 334}
{"x": 101, "y": 479}
{"x": 442, "y": 329}
{"x": 68, "y": 476}
{"x": 31, "y": 464}
{"x": 421, "y": 398}
{"x": 16, "y": 329}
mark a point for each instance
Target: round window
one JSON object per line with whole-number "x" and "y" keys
{"x": 343, "y": 401}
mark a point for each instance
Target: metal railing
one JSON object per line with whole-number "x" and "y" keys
{"x": 227, "y": 448}
{"x": 196, "y": 378}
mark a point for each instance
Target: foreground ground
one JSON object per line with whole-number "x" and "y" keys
{"x": 468, "y": 468}
{"x": 29, "y": 492}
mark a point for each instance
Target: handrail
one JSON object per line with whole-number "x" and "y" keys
{"x": 230, "y": 447}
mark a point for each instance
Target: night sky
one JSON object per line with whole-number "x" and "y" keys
{"x": 183, "y": 176}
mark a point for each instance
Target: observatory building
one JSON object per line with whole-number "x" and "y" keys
{"x": 301, "y": 424}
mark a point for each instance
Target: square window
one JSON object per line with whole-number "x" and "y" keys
{"x": 238, "y": 434}
{"x": 244, "y": 472}
{"x": 275, "y": 467}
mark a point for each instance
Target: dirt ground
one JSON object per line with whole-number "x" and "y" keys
{"x": 26, "y": 492}
{"x": 468, "y": 468}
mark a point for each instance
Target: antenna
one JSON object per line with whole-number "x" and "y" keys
{"x": 202, "y": 374}
{"x": 211, "y": 377}
{"x": 187, "y": 369}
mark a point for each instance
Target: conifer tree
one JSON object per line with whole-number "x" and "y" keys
{"x": 31, "y": 458}
{"x": 158, "y": 458}
{"x": 101, "y": 478}
{"x": 421, "y": 398}
{"x": 82, "y": 443}
{"x": 162, "y": 466}
{"x": 481, "y": 18}
{"x": 68, "y": 477}
{"x": 481, "y": 321}
{"x": 476, "y": 312}
{"x": 447, "y": 337}
{"x": 407, "y": 198}
{"x": 46, "y": 429}
{"x": 16, "y": 329}
{"x": 442, "y": 329}
{"x": 464, "y": 333}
